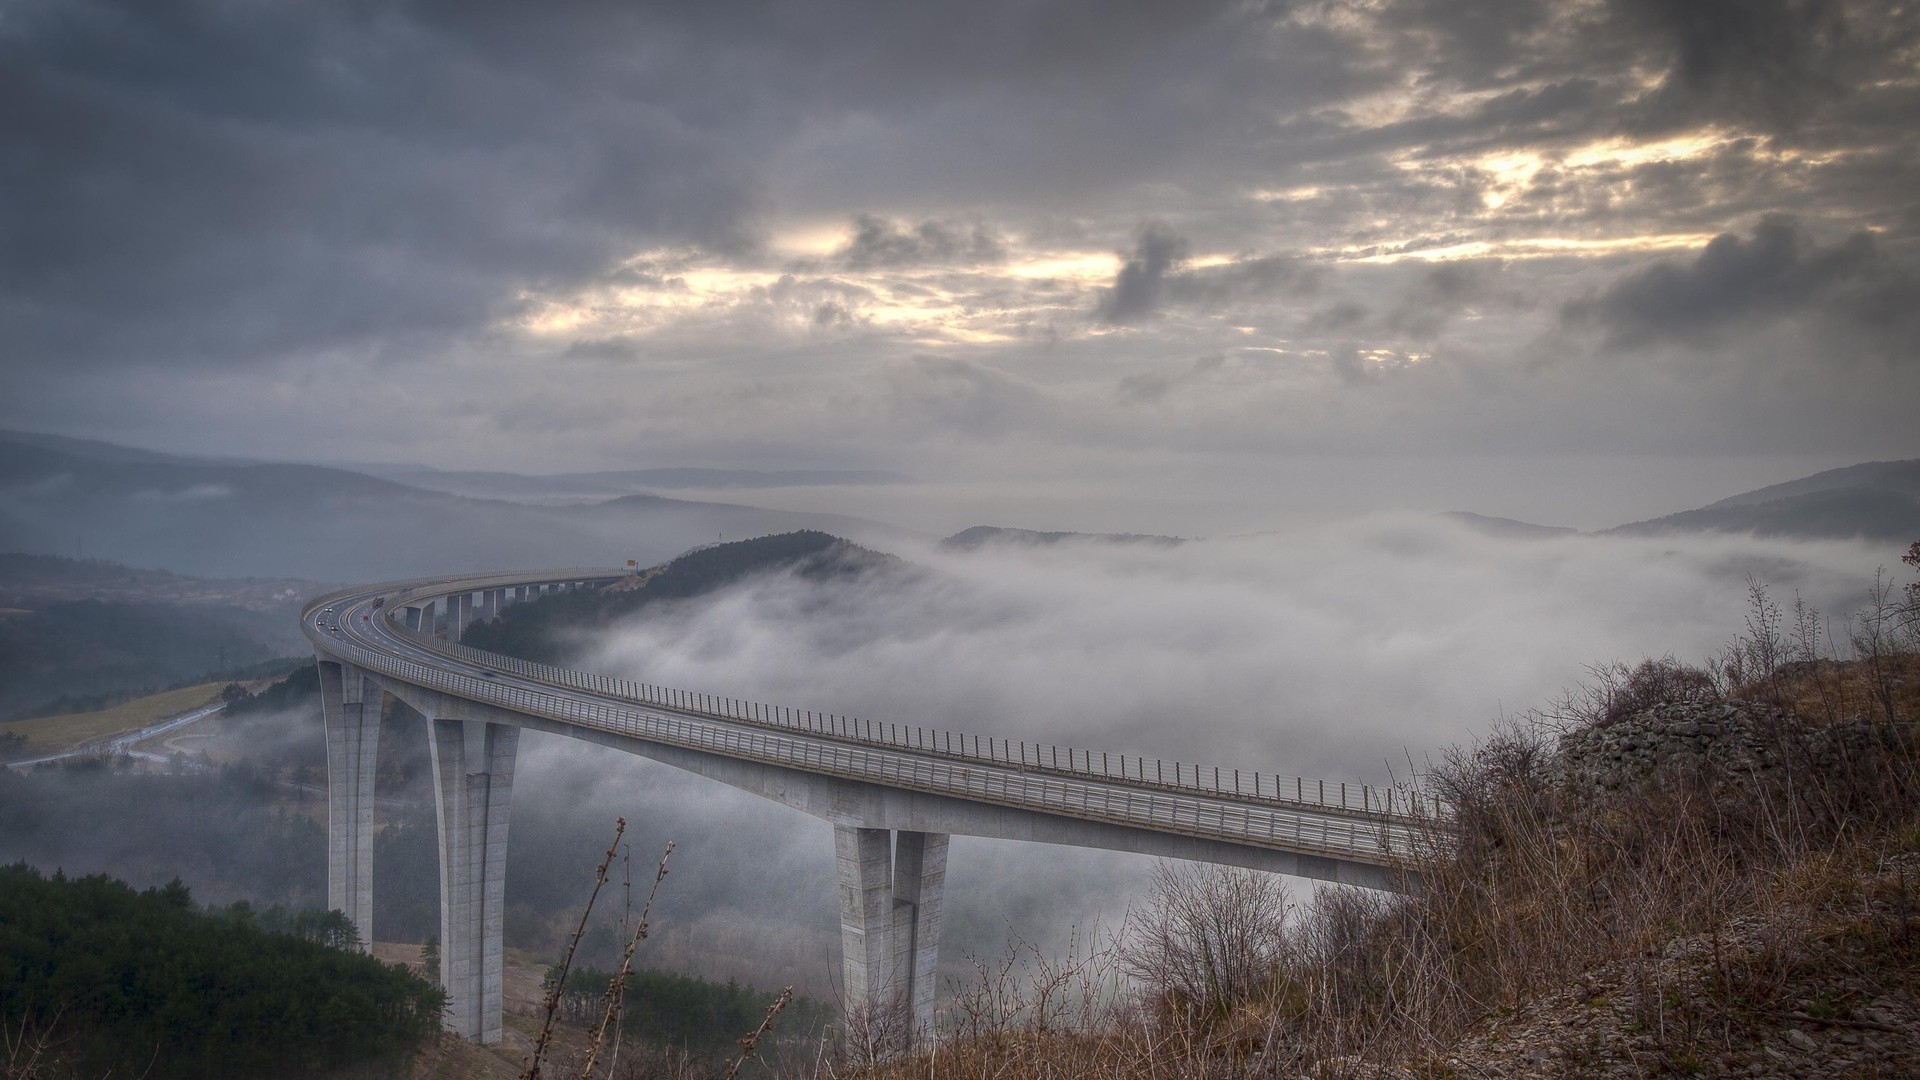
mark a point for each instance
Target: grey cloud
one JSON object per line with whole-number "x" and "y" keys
{"x": 878, "y": 242}
{"x": 198, "y": 183}
{"x": 1146, "y": 387}
{"x": 1440, "y": 292}
{"x": 607, "y": 348}
{"x": 1766, "y": 60}
{"x": 1339, "y": 316}
{"x": 1777, "y": 272}
{"x": 1244, "y": 280}
{"x": 952, "y": 394}
{"x": 1136, "y": 290}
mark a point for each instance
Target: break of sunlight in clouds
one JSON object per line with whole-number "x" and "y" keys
{"x": 829, "y": 283}
{"x": 1338, "y": 652}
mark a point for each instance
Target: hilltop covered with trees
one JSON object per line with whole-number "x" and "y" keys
{"x": 537, "y": 630}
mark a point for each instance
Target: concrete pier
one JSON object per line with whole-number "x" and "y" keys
{"x": 473, "y": 791}
{"x": 459, "y": 614}
{"x": 919, "y": 890}
{"x": 891, "y": 894}
{"x": 350, "y": 706}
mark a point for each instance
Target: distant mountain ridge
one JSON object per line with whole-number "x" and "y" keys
{"x": 1893, "y": 476}
{"x": 1500, "y": 526}
{"x": 612, "y": 483}
{"x": 980, "y": 536}
{"x": 215, "y": 519}
{"x": 1876, "y": 500}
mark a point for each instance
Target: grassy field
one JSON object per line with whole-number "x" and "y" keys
{"x": 49, "y": 733}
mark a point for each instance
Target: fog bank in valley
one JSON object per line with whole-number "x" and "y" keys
{"x": 1340, "y": 651}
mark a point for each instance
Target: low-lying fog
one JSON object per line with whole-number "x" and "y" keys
{"x": 1339, "y": 651}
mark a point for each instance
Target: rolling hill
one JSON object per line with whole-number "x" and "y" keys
{"x": 216, "y": 519}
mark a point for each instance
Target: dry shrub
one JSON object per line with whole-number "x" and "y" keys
{"x": 1619, "y": 691}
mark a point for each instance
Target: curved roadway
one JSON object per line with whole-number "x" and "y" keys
{"x": 1343, "y": 822}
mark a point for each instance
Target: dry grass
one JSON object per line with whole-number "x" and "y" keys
{"x": 50, "y": 733}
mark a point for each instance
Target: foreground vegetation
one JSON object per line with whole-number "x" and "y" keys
{"x": 97, "y": 979}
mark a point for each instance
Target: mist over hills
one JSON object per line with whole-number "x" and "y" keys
{"x": 609, "y": 484}
{"x": 72, "y": 497}
{"x": 218, "y": 517}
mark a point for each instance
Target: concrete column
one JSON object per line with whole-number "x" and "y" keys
{"x": 919, "y": 888}
{"x": 890, "y": 913}
{"x": 350, "y": 708}
{"x": 412, "y": 617}
{"x": 459, "y": 614}
{"x": 488, "y": 604}
{"x": 473, "y": 790}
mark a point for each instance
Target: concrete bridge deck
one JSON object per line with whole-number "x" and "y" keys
{"x": 893, "y": 792}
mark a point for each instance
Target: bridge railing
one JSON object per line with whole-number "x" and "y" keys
{"x": 1375, "y": 840}
{"x": 1215, "y": 782}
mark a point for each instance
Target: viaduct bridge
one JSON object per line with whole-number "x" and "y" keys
{"x": 894, "y": 793}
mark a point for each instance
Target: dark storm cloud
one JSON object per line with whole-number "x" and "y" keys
{"x": 878, "y": 242}
{"x": 1244, "y": 280}
{"x": 206, "y": 182}
{"x": 1136, "y": 289}
{"x": 1762, "y": 60}
{"x": 1777, "y": 272}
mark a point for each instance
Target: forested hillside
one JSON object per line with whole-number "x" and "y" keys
{"x": 97, "y": 979}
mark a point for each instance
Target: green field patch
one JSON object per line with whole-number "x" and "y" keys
{"x": 78, "y": 729}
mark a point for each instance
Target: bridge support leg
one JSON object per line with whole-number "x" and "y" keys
{"x": 891, "y": 893}
{"x": 459, "y": 614}
{"x": 919, "y": 890}
{"x": 350, "y": 706}
{"x": 473, "y": 789}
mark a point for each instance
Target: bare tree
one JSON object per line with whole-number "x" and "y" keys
{"x": 1211, "y": 941}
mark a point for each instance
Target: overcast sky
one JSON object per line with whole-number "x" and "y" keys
{"x": 1085, "y": 264}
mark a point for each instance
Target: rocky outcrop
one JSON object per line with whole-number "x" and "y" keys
{"x": 1726, "y": 740}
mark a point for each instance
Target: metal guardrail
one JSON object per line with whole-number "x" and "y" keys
{"x": 1215, "y": 781}
{"x": 1354, "y": 822}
